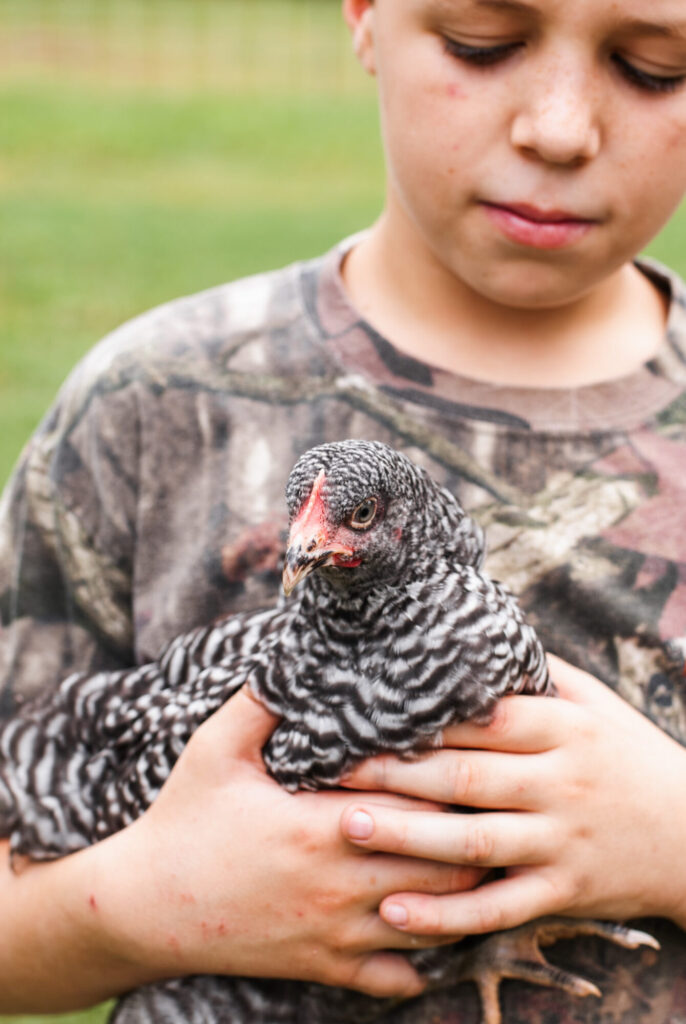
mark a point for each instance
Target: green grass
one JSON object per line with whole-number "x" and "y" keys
{"x": 98, "y": 1015}
{"x": 152, "y": 148}
{"x": 180, "y": 44}
{"x": 112, "y": 202}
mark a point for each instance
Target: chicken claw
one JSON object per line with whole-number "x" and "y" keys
{"x": 516, "y": 954}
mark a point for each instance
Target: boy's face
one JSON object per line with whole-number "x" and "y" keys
{"x": 533, "y": 146}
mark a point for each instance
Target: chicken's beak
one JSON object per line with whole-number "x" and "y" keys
{"x": 298, "y": 565}
{"x": 304, "y": 558}
{"x": 310, "y": 545}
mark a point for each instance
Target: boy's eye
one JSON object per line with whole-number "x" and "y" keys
{"x": 487, "y": 55}
{"x": 482, "y": 55}
{"x": 644, "y": 80}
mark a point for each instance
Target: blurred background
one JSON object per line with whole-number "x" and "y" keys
{"x": 152, "y": 148}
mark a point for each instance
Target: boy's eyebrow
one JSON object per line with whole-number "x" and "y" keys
{"x": 669, "y": 27}
{"x": 666, "y": 29}
{"x": 509, "y": 6}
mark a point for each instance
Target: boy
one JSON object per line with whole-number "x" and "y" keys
{"x": 532, "y": 148}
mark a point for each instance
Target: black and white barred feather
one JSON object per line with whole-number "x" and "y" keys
{"x": 376, "y": 655}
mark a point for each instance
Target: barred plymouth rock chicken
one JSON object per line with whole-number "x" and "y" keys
{"x": 395, "y": 634}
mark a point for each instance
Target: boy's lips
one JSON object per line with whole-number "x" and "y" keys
{"x": 541, "y": 229}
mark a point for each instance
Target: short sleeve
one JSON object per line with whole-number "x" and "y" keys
{"x": 67, "y": 534}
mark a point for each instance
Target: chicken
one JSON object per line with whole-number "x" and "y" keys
{"x": 392, "y": 634}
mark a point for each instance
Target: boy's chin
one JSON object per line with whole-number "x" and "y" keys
{"x": 529, "y": 285}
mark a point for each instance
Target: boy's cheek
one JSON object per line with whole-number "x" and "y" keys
{"x": 455, "y": 92}
{"x": 676, "y": 138}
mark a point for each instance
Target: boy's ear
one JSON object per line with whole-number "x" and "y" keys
{"x": 359, "y": 16}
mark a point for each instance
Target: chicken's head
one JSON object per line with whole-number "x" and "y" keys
{"x": 361, "y": 513}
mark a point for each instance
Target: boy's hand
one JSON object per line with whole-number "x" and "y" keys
{"x": 227, "y": 873}
{"x": 587, "y": 801}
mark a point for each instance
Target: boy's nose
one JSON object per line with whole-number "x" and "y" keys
{"x": 557, "y": 119}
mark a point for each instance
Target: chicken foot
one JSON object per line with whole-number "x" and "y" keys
{"x": 516, "y": 954}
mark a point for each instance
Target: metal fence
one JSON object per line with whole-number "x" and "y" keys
{"x": 220, "y": 45}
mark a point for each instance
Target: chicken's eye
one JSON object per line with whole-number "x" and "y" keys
{"x": 364, "y": 515}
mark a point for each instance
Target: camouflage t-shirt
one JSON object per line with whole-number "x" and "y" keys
{"x": 150, "y": 500}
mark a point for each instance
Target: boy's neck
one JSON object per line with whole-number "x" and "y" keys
{"x": 427, "y": 313}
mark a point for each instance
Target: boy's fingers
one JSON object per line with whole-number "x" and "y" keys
{"x": 375, "y": 935}
{"x": 574, "y": 684}
{"x": 242, "y": 725}
{"x": 504, "y": 903}
{"x": 521, "y": 725}
{"x": 482, "y": 840}
{"x": 391, "y": 874}
{"x": 384, "y": 975}
{"x": 471, "y": 778}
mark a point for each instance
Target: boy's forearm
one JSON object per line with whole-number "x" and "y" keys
{"x": 54, "y": 950}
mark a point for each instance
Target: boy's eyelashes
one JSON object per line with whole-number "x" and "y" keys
{"x": 485, "y": 56}
{"x": 644, "y": 80}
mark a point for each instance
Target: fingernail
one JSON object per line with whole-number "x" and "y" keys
{"x": 360, "y": 825}
{"x": 395, "y": 914}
